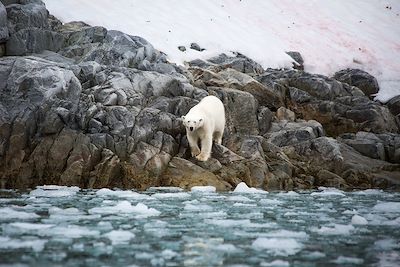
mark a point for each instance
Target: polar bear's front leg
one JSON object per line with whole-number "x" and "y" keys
{"x": 206, "y": 146}
{"x": 194, "y": 148}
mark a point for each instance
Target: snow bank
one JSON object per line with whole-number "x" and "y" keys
{"x": 331, "y": 35}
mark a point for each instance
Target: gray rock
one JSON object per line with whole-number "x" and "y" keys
{"x": 27, "y": 15}
{"x": 394, "y": 106}
{"x": 3, "y": 24}
{"x": 265, "y": 117}
{"x": 240, "y": 110}
{"x": 359, "y": 78}
{"x": 289, "y": 133}
{"x": 33, "y": 40}
{"x": 299, "y": 64}
{"x": 284, "y": 114}
{"x": 196, "y": 47}
{"x": 239, "y": 63}
{"x": 182, "y": 48}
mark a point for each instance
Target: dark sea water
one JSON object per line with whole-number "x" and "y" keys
{"x": 61, "y": 226}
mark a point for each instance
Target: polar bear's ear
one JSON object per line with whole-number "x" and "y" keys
{"x": 200, "y": 120}
{"x": 183, "y": 118}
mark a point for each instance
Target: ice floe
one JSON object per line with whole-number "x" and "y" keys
{"x": 203, "y": 189}
{"x": 348, "y": 260}
{"x": 243, "y": 188}
{"x": 328, "y": 191}
{"x": 275, "y": 263}
{"x": 120, "y": 193}
{"x": 278, "y": 246}
{"x": 119, "y": 236}
{"x": 36, "y": 245}
{"x": 11, "y": 214}
{"x": 125, "y": 207}
{"x": 387, "y": 207}
{"x": 54, "y": 191}
{"x": 337, "y": 229}
{"x": 358, "y": 220}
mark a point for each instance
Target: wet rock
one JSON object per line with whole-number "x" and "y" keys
{"x": 196, "y": 47}
{"x": 360, "y": 79}
{"x": 184, "y": 174}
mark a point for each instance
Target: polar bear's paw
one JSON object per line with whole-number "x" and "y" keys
{"x": 195, "y": 151}
{"x": 202, "y": 157}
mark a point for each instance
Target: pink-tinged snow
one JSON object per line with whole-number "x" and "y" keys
{"x": 331, "y": 35}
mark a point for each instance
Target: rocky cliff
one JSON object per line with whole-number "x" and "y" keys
{"x": 88, "y": 106}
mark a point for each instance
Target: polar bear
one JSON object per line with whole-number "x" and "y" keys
{"x": 205, "y": 121}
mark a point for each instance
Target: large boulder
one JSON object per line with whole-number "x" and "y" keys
{"x": 359, "y": 78}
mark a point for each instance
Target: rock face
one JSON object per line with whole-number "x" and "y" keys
{"x": 87, "y": 106}
{"x": 359, "y": 78}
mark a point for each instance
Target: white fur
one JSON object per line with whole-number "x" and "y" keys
{"x": 205, "y": 122}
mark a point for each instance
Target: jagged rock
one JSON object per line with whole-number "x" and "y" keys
{"x": 359, "y": 78}
{"x": 327, "y": 178}
{"x": 196, "y": 47}
{"x": 377, "y": 146}
{"x": 3, "y": 24}
{"x": 289, "y": 133}
{"x": 284, "y": 114}
{"x": 299, "y": 64}
{"x": 240, "y": 110}
{"x": 184, "y": 174}
{"x": 265, "y": 117}
{"x": 394, "y": 107}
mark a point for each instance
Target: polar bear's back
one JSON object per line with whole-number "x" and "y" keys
{"x": 214, "y": 109}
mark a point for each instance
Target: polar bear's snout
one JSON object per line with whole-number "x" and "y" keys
{"x": 191, "y": 129}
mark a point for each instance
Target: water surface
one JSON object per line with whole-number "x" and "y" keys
{"x": 61, "y": 226}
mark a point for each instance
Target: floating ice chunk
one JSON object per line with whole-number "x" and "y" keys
{"x": 168, "y": 254}
{"x": 337, "y": 229}
{"x": 171, "y": 195}
{"x": 67, "y": 211}
{"x": 70, "y": 231}
{"x": 275, "y": 263}
{"x": 358, "y": 220}
{"x": 119, "y": 236}
{"x": 278, "y": 246}
{"x": 239, "y": 199}
{"x": 288, "y": 194}
{"x": 36, "y": 245}
{"x": 11, "y": 214}
{"x": 126, "y": 208}
{"x": 54, "y": 191}
{"x": 243, "y": 188}
{"x": 228, "y": 248}
{"x": 208, "y": 189}
{"x": 387, "y": 207}
{"x": 350, "y": 212}
{"x": 228, "y": 222}
{"x": 387, "y": 244}
{"x": 328, "y": 191}
{"x": 197, "y": 207}
{"x": 369, "y": 192}
{"x": 244, "y": 205}
{"x": 22, "y": 227}
{"x": 348, "y": 260}
{"x": 288, "y": 234}
{"x": 266, "y": 201}
{"x": 315, "y": 255}
{"x": 120, "y": 193}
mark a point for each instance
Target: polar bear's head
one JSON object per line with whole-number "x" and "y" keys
{"x": 192, "y": 123}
